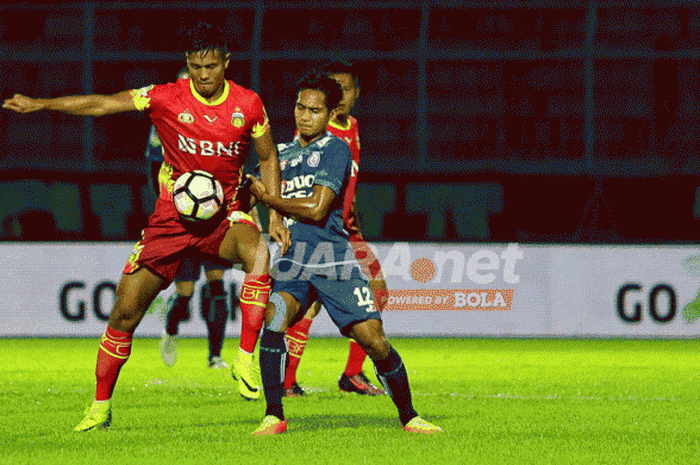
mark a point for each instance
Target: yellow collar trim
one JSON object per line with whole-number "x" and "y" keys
{"x": 338, "y": 126}
{"x": 218, "y": 101}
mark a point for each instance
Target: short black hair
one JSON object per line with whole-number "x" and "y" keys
{"x": 316, "y": 80}
{"x": 206, "y": 37}
{"x": 341, "y": 66}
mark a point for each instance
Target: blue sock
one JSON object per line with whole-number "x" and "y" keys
{"x": 273, "y": 354}
{"x": 215, "y": 312}
{"x": 179, "y": 311}
{"x": 392, "y": 373}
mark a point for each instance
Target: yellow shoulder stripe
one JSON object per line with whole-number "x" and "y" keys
{"x": 261, "y": 128}
{"x": 140, "y": 98}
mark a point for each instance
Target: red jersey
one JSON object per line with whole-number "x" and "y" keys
{"x": 196, "y": 134}
{"x": 370, "y": 264}
{"x": 350, "y": 134}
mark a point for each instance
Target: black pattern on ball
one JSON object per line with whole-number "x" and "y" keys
{"x": 197, "y": 195}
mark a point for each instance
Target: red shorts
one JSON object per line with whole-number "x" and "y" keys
{"x": 368, "y": 261}
{"x": 371, "y": 268}
{"x": 167, "y": 240}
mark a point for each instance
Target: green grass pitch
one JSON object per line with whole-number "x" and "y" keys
{"x": 499, "y": 401}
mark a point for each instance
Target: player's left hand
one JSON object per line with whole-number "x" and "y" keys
{"x": 280, "y": 234}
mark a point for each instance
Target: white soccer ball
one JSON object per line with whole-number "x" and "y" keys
{"x": 197, "y": 195}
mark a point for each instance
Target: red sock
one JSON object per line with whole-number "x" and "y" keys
{"x": 254, "y": 295}
{"x": 114, "y": 351}
{"x": 381, "y": 297}
{"x": 356, "y": 358}
{"x": 297, "y": 336}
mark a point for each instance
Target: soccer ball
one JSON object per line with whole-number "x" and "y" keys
{"x": 197, "y": 195}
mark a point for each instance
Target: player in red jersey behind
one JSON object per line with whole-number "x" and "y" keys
{"x": 344, "y": 126}
{"x": 206, "y": 123}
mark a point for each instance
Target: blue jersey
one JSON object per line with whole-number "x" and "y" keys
{"x": 154, "y": 149}
{"x": 318, "y": 248}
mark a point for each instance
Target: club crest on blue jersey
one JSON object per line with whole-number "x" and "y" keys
{"x": 238, "y": 119}
{"x": 185, "y": 117}
{"x": 314, "y": 159}
{"x": 283, "y": 164}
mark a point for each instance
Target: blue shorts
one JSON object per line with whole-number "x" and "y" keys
{"x": 190, "y": 269}
{"x": 347, "y": 302}
{"x": 154, "y": 154}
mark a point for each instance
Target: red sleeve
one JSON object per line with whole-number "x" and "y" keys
{"x": 153, "y": 98}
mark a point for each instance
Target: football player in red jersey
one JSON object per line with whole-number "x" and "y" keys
{"x": 344, "y": 126}
{"x": 213, "y": 300}
{"x": 206, "y": 123}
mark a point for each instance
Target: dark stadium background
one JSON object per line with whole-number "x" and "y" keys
{"x": 541, "y": 121}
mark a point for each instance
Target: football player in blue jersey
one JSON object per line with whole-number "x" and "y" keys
{"x": 321, "y": 263}
{"x": 214, "y": 305}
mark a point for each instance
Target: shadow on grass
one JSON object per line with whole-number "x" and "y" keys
{"x": 301, "y": 423}
{"x": 325, "y": 422}
{"x": 298, "y": 423}
{"x": 328, "y": 422}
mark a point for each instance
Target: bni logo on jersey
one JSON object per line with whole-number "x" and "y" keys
{"x": 237, "y": 119}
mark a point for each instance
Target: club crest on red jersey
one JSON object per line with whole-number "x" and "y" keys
{"x": 185, "y": 117}
{"x": 237, "y": 119}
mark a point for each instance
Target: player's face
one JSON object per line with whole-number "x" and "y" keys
{"x": 311, "y": 114}
{"x": 350, "y": 92}
{"x": 206, "y": 69}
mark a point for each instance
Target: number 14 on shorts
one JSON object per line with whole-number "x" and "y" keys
{"x": 365, "y": 298}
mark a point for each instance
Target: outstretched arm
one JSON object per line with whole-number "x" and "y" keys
{"x": 84, "y": 105}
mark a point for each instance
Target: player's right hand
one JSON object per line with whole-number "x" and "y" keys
{"x": 22, "y": 104}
